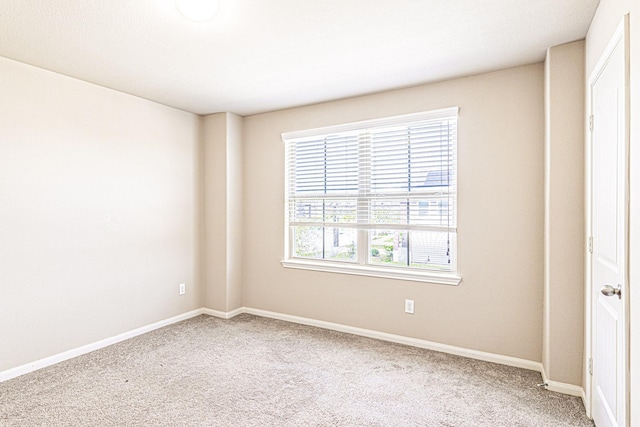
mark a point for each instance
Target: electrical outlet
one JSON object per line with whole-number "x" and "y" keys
{"x": 183, "y": 288}
{"x": 408, "y": 306}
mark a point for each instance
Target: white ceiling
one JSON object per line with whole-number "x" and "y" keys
{"x": 264, "y": 55}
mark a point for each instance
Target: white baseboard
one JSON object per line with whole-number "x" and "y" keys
{"x": 563, "y": 388}
{"x": 555, "y": 386}
{"x": 222, "y": 314}
{"x": 570, "y": 389}
{"x": 429, "y": 345}
{"x": 70, "y": 354}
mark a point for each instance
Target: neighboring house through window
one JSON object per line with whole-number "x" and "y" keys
{"x": 375, "y": 198}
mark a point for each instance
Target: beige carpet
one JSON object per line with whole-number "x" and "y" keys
{"x": 252, "y": 371}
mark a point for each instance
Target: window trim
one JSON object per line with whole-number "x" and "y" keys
{"x": 358, "y": 268}
{"x": 430, "y": 276}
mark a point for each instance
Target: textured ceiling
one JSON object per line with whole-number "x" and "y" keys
{"x": 264, "y": 55}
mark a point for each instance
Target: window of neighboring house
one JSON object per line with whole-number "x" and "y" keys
{"x": 374, "y": 198}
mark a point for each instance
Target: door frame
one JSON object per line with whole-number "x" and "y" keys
{"x": 620, "y": 35}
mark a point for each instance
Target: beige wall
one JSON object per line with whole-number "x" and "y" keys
{"x": 235, "y": 251}
{"x": 607, "y": 18}
{"x": 98, "y": 217}
{"x": 215, "y": 212}
{"x": 563, "y": 316}
{"x": 498, "y": 306}
{"x": 222, "y": 206}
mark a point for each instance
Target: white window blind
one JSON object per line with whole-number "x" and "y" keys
{"x": 393, "y": 179}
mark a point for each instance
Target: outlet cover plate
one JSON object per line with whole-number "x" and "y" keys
{"x": 409, "y": 306}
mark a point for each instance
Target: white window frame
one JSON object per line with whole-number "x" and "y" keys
{"x": 361, "y": 266}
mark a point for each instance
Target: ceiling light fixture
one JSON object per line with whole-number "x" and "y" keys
{"x": 198, "y": 10}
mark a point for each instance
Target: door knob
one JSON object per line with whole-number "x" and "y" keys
{"x": 610, "y": 291}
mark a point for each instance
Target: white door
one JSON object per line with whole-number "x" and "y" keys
{"x": 608, "y": 210}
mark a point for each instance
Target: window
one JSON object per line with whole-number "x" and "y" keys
{"x": 374, "y": 198}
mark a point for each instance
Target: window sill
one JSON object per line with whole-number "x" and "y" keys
{"x": 368, "y": 270}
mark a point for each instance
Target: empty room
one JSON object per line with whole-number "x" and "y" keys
{"x": 329, "y": 213}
